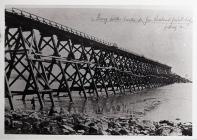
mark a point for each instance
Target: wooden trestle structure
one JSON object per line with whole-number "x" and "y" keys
{"x": 44, "y": 57}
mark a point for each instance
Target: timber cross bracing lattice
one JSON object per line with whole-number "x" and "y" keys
{"x": 43, "y": 57}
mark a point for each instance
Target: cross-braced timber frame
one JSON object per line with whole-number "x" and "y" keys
{"x": 46, "y": 58}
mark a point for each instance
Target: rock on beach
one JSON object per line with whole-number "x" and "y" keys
{"x": 56, "y": 123}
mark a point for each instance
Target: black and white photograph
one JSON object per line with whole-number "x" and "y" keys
{"x": 98, "y": 70}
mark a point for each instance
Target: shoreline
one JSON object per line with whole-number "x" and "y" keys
{"x": 56, "y": 122}
{"x": 167, "y": 103}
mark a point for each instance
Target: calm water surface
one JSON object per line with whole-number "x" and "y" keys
{"x": 169, "y": 102}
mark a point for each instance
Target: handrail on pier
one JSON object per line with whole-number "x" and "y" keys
{"x": 57, "y": 25}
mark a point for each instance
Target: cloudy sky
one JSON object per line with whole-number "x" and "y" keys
{"x": 165, "y": 37}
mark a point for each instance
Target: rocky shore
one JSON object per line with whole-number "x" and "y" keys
{"x": 59, "y": 123}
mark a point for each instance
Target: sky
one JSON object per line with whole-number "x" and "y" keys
{"x": 165, "y": 37}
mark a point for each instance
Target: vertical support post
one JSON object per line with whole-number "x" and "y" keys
{"x": 8, "y": 93}
{"x": 37, "y": 47}
{"x": 13, "y": 56}
{"x": 99, "y": 72}
{"x": 80, "y": 79}
{"x": 31, "y": 69}
{"x": 89, "y": 70}
{"x": 77, "y": 70}
{"x": 61, "y": 67}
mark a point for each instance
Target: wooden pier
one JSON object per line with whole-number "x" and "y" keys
{"x": 52, "y": 59}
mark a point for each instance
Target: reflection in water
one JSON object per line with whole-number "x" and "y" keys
{"x": 169, "y": 102}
